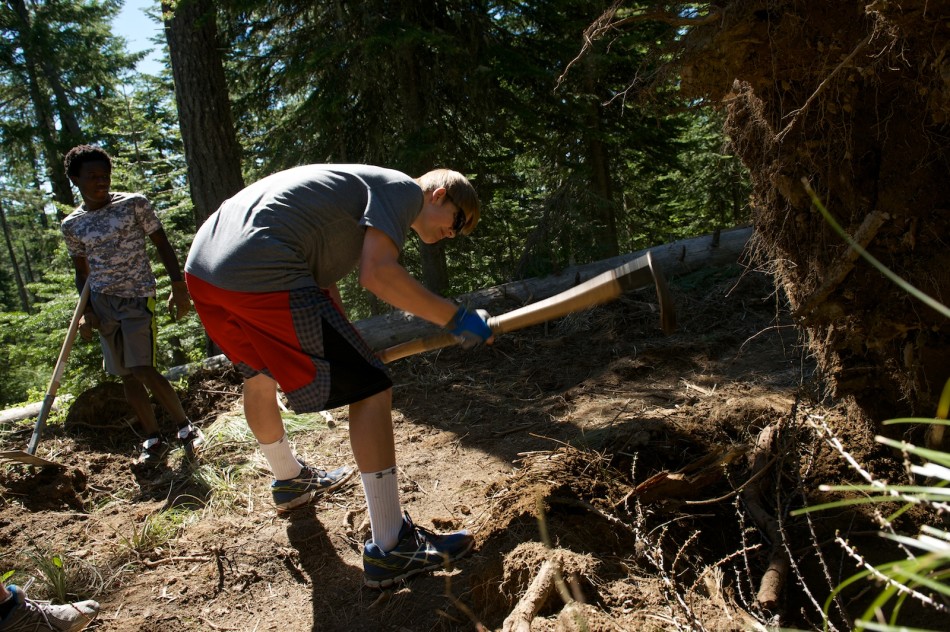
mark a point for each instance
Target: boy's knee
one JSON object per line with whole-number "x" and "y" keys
{"x": 144, "y": 374}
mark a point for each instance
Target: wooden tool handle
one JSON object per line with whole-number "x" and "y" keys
{"x": 600, "y": 289}
{"x": 58, "y": 370}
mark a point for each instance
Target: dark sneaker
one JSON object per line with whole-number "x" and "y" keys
{"x": 417, "y": 551}
{"x": 41, "y": 615}
{"x": 191, "y": 439}
{"x": 310, "y": 483}
{"x": 152, "y": 451}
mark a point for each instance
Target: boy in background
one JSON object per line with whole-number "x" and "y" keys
{"x": 106, "y": 239}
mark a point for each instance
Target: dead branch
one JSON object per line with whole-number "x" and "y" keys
{"x": 773, "y": 580}
{"x": 180, "y": 558}
{"x": 686, "y": 482}
{"x": 738, "y": 489}
{"x": 606, "y": 23}
{"x": 673, "y": 19}
{"x": 541, "y": 588}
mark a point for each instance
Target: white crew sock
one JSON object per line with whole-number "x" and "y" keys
{"x": 385, "y": 512}
{"x": 280, "y": 457}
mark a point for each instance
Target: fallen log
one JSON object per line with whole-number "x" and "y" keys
{"x": 30, "y": 410}
{"x": 674, "y": 259}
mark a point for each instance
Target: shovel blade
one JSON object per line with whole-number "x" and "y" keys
{"x": 21, "y": 456}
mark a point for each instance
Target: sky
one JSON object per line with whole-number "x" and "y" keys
{"x": 137, "y": 29}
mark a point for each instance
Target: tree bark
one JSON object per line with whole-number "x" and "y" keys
{"x": 43, "y": 111}
{"x": 212, "y": 151}
{"x": 435, "y": 271}
{"x": 603, "y": 209}
{"x": 27, "y": 264}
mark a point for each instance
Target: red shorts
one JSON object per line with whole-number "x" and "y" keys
{"x": 298, "y": 337}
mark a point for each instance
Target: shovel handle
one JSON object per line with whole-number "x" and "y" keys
{"x": 58, "y": 371}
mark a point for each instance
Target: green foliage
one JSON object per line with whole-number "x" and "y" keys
{"x": 153, "y": 533}
{"x": 52, "y": 570}
{"x": 60, "y": 578}
{"x": 570, "y": 167}
{"x": 31, "y": 343}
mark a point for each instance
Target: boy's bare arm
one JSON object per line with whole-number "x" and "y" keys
{"x": 381, "y": 274}
{"x": 81, "y": 266}
{"x": 179, "y": 303}
{"x": 167, "y": 254}
{"x": 89, "y": 320}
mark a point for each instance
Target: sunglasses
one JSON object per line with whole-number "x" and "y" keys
{"x": 458, "y": 222}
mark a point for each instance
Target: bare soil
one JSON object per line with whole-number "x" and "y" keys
{"x": 623, "y": 458}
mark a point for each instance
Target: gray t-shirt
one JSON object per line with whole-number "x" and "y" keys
{"x": 302, "y": 227}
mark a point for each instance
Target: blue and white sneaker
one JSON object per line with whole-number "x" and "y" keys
{"x": 418, "y": 550}
{"x": 307, "y": 486}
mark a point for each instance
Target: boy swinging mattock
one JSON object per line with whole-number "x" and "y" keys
{"x": 262, "y": 272}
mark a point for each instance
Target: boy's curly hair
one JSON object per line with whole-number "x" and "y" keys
{"x": 77, "y": 156}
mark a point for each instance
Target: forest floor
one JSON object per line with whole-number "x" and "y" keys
{"x": 596, "y": 446}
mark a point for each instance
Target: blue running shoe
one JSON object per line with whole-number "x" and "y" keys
{"x": 307, "y": 486}
{"x": 418, "y": 550}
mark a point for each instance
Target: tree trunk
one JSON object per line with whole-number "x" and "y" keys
{"x": 27, "y": 264}
{"x": 71, "y": 132}
{"x": 21, "y": 288}
{"x": 204, "y": 110}
{"x": 62, "y": 189}
{"x": 603, "y": 208}
{"x": 435, "y": 271}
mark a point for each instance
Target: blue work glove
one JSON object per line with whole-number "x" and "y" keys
{"x": 471, "y": 328}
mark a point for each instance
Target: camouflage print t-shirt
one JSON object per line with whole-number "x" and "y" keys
{"x": 112, "y": 239}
